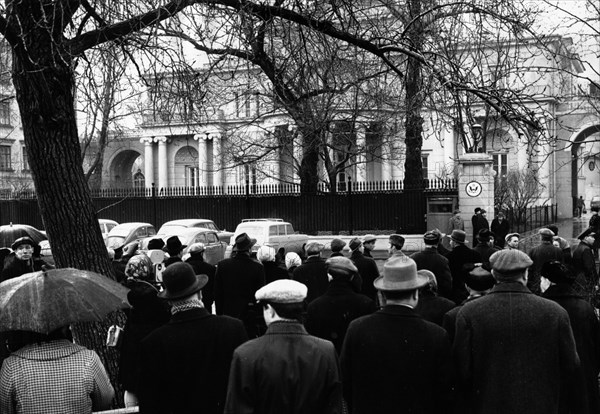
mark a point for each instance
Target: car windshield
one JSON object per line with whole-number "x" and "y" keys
{"x": 114, "y": 241}
{"x": 254, "y": 231}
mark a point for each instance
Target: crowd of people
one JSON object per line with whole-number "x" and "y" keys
{"x": 482, "y": 329}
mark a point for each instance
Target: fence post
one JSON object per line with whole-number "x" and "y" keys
{"x": 154, "y": 203}
{"x": 350, "y": 213}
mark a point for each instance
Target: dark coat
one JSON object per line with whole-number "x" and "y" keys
{"x": 185, "y": 363}
{"x": 512, "y": 349}
{"x": 457, "y": 258}
{"x": 584, "y": 264}
{"x": 543, "y": 253}
{"x": 285, "y": 371}
{"x": 196, "y": 260}
{"x": 430, "y": 259}
{"x": 586, "y": 331}
{"x": 337, "y": 254}
{"x": 236, "y": 281}
{"x": 449, "y": 319}
{"x": 395, "y": 361}
{"x": 329, "y": 315}
{"x": 500, "y": 230}
{"x": 274, "y": 272}
{"x": 479, "y": 223}
{"x": 148, "y": 312}
{"x": 485, "y": 251}
{"x": 14, "y": 267}
{"x": 313, "y": 274}
{"x": 432, "y": 307}
{"x": 368, "y": 272}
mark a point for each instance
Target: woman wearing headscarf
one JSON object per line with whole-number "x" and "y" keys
{"x": 292, "y": 261}
{"x": 266, "y": 255}
{"x": 147, "y": 313}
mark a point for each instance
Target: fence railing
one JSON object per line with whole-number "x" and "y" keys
{"x": 533, "y": 217}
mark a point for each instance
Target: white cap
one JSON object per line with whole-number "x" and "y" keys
{"x": 282, "y": 291}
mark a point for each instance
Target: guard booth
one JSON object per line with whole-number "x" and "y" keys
{"x": 439, "y": 212}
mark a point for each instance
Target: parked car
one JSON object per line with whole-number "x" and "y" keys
{"x": 215, "y": 248}
{"x": 126, "y": 233}
{"x": 271, "y": 232}
{"x": 106, "y": 226}
{"x": 172, "y": 227}
{"x": 595, "y": 203}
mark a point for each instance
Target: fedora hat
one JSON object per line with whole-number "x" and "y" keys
{"x": 180, "y": 281}
{"x": 156, "y": 244}
{"x": 459, "y": 236}
{"x": 174, "y": 245}
{"x": 243, "y": 243}
{"x": 400, "y": 273}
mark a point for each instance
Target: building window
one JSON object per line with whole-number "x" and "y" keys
{"x": 247, "y": 105}
{"x": 425, "y": 166}
{"x": 5, "y": 164}
{"x": 501, "y": 167}
{"x": 4, "y": 113}
{"x": 139, "y": 181}
{"x": 192, "y": 176}
{"x": 25, "y": 159}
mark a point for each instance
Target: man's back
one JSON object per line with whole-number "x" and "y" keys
{"x": 236, "y": 281}
{"x": 185, "y": 363}
{"x": 284, "y": 371}
{"x": 512, "y": 349}
{"x": 313, "y": 274}
{"x": 430, "y": 259}
{"x": 394, "y": 360}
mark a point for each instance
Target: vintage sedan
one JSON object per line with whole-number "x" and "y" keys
{"x": 215, "y": 248}
{"x": 126, "y": 233}
{"x": 173, "y": 226}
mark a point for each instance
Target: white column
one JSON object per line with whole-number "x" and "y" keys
{"x": 298, "y": 154}
{"x": 163, "y": 172}
{"x": 218, "y": 160}
{"x": 148, "y": 161}
{"x": 387, "y": 161}
{"x": 361, "y": 156}
{"x": 201, "y": 138}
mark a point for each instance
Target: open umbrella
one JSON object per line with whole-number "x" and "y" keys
{"x": 11, "y": 232}
{"x": 44, "y": 301}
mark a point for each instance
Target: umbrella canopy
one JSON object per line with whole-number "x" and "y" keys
{"x": 44, "y": 301}
{"x": 11, "y": 232}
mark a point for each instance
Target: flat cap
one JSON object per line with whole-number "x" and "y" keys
{"x": 511, "y": 235}
{"x": 196, "y": 248}
{"x": 546, "y": 234}
{"x": 282, "y": 291}
{"x": 510, "y": 261}
{"x": 369, "y": 238}
{"x": 337, "y": 245}
{"x": 432, "y": 237}
{"x": 340, "y": 266}
{"x": 314, "y": 248}
{"x": 355, "y": 243}
{"x": 480, "y": 279}
{"x": 397, "y": 239}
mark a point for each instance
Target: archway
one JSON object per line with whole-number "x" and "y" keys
{"x": 122, "y": 168}
{"x": 187, "y": 172}
{"x": 585, "y": 168}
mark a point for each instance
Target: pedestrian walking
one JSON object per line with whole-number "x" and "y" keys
{"x": 286, "y": 370}
{"x": 456, "y": 222}
{"x": 394, "y": 358}
{"x": 580, "y": 206}
{"x": 557, "y": 285}
{"x": 500, "y": 227}
{"x": 430, "y": 259}
{"x": 458, "y": 257}
{"x": 236, "y": 280}
{"x": 313, "y": 272}
{"x": 508, "y": 340}
{"x": 544, "y": 252}
{"x": 185, "y": 363}
{"x": 329, "y": 315}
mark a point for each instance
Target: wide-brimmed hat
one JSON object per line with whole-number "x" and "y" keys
{"x": 399, "y": 274}
{"x": 23, "y": 240}
{"x": 459, "y": 236}
{"x": 156, "y": 244}
{"x": 355, "y": 243}
{"x": 243, "y": 243}
{"x": 174, "y": 245}
{"x": 180, "y": 281}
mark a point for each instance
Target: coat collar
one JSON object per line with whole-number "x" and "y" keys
{"x": 337, "y": 287}
{"x": 560, "y": 291}
{"x": 398, "y": 310}
{"x": 189, "y": 315}
{"x": 286, "y": 327}
{"x": 315, "y": 258}
{"x": 509, "y": 287}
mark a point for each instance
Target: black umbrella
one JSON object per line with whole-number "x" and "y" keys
{"x": 11, "y": 232}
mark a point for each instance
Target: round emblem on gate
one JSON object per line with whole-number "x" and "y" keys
{"x": 473, "y": 189}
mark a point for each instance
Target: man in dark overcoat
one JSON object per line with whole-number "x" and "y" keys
{"x": 313, "y": 272}
{"x": 485, "y": 246}
{"x": 431, "y": 306}
{"x": 201, "y": 267}
{"x": 337, "y": 245}
{"x": 367, "y": 268}
{"x": 430, "y": 259}
{"x": 458, "y": 257}
{"x": 286, "y": 370}
{"x": 236, "y": 281}
{"x": 557, "y": 285}
{"x": 542, "y": 253}
{"x": 369, "y": 244}
{"x": 513, "y": 349}
{"x": 584, "y": 263}
{"x": 185, "y": 363}
{"x": 329, "y": 315}
{"x": 500, "y": 227}
{"x": 394, "y": 360}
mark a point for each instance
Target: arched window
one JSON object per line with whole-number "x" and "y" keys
{"x": 139, "y": 180}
